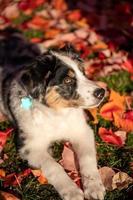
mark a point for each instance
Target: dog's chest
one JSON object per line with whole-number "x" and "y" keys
{"x": 48, "y": 126}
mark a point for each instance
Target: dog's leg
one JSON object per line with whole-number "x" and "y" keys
{"x": 59, "y": 179}
{"x": 84, "y": 147}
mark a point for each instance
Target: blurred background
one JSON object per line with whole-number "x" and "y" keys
{"x": 102, "y": 32}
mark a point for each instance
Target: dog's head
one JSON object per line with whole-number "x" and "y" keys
{"x": 57, "y": 80}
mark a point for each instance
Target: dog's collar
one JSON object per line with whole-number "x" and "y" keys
{"x": 26, "y": 102}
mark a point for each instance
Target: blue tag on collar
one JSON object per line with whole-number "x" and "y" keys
{"x": 26, "y": 103}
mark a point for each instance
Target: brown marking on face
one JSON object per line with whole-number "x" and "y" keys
{"x": 71, "y": 73}
{"x": 54, "y": 100}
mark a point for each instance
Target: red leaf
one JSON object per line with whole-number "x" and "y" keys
{"x": 109, "y": 137}
{"x": 3, "y": 137}
{"x": 128, "y": 65}
{"x": 27, "y": 4}
{"x": 15, "y": 179}
{"x": 74, "y": 16}
{"x": 128, "y": 115}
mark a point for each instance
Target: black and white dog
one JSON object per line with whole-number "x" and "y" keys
{"x": 44, "y": 95}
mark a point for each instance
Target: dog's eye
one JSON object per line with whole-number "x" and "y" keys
{"x": 68, "y": 80}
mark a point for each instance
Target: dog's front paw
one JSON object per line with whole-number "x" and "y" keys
{"x": 93, "y": 187}
{"x": 72, "y": 193}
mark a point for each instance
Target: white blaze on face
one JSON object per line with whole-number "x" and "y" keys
{"x": 85, "y": 87}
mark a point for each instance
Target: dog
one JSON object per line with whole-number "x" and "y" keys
{"x": 44, "y": 95}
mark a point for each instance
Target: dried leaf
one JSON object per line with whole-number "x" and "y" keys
{"x": 122, "y": 135}
{"x": 7, "y": 196}
{"x": 11, "y": 11}
{"x": 107, "y": 174}
{"x": 40, "y": 177}
{"x": 121, "y": 180}
{"x": 68, "y": 159}
{"x": 2, "y": 117}
{"x": 2, "y": 173}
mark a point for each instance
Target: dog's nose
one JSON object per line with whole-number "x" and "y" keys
{"x": 99, "y": 93}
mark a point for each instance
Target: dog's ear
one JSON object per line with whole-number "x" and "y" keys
{"x": 68, "y": 48}
{"x": 71, "y": 51}
{"x": 34, "y": 78}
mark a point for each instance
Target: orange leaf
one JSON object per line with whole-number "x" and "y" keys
{"x": 51, "y": 33}
{"x": 99, "y": 45}
{"x": 59, "y": 4}
{"x": 119, "y": 99}
{"x": 74, "y": 16}
{"x": 116, "y": 104}
{"x": 40, "y": 177}
{"x": 124, "y": 121}
{"x": 38, "y": 22}
{"x": 82, "y": 22}
{"x": 94, "y": 114}
{"x": 108, "y": 109}
{"x": 2, "y": 173}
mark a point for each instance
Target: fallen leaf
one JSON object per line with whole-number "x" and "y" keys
{"x": 38, "y": 22}
{"x": 124, "y": 121}
{"x": 116, "y": 104}
{"x": 128, "y": 65}
{"x": 35, "y": 40}
{"x": 121, "y": 180}
{"x": 107, "y": 174}
{"x": 108, "y": 109}
{"x": 110, "y": 137}
{"x": 15, "y": 179}
{"x": 51, "y": 33}
{"x": 99, "y": 45}
{"x": 2, "y": 173}
{"x": 59, "y": 5}
{"x": 122, "y": 135}
{"x": 7, "y": 196}
{"x": 3, "y": 137}
{"x": 11, "y": 11}
{"x": 74, "y": 16}
{"x": 2, "y": 117}
{"x": 68, "y": 159}
{"x": 94, "y": 114}
{"x": 40, "y": 177}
